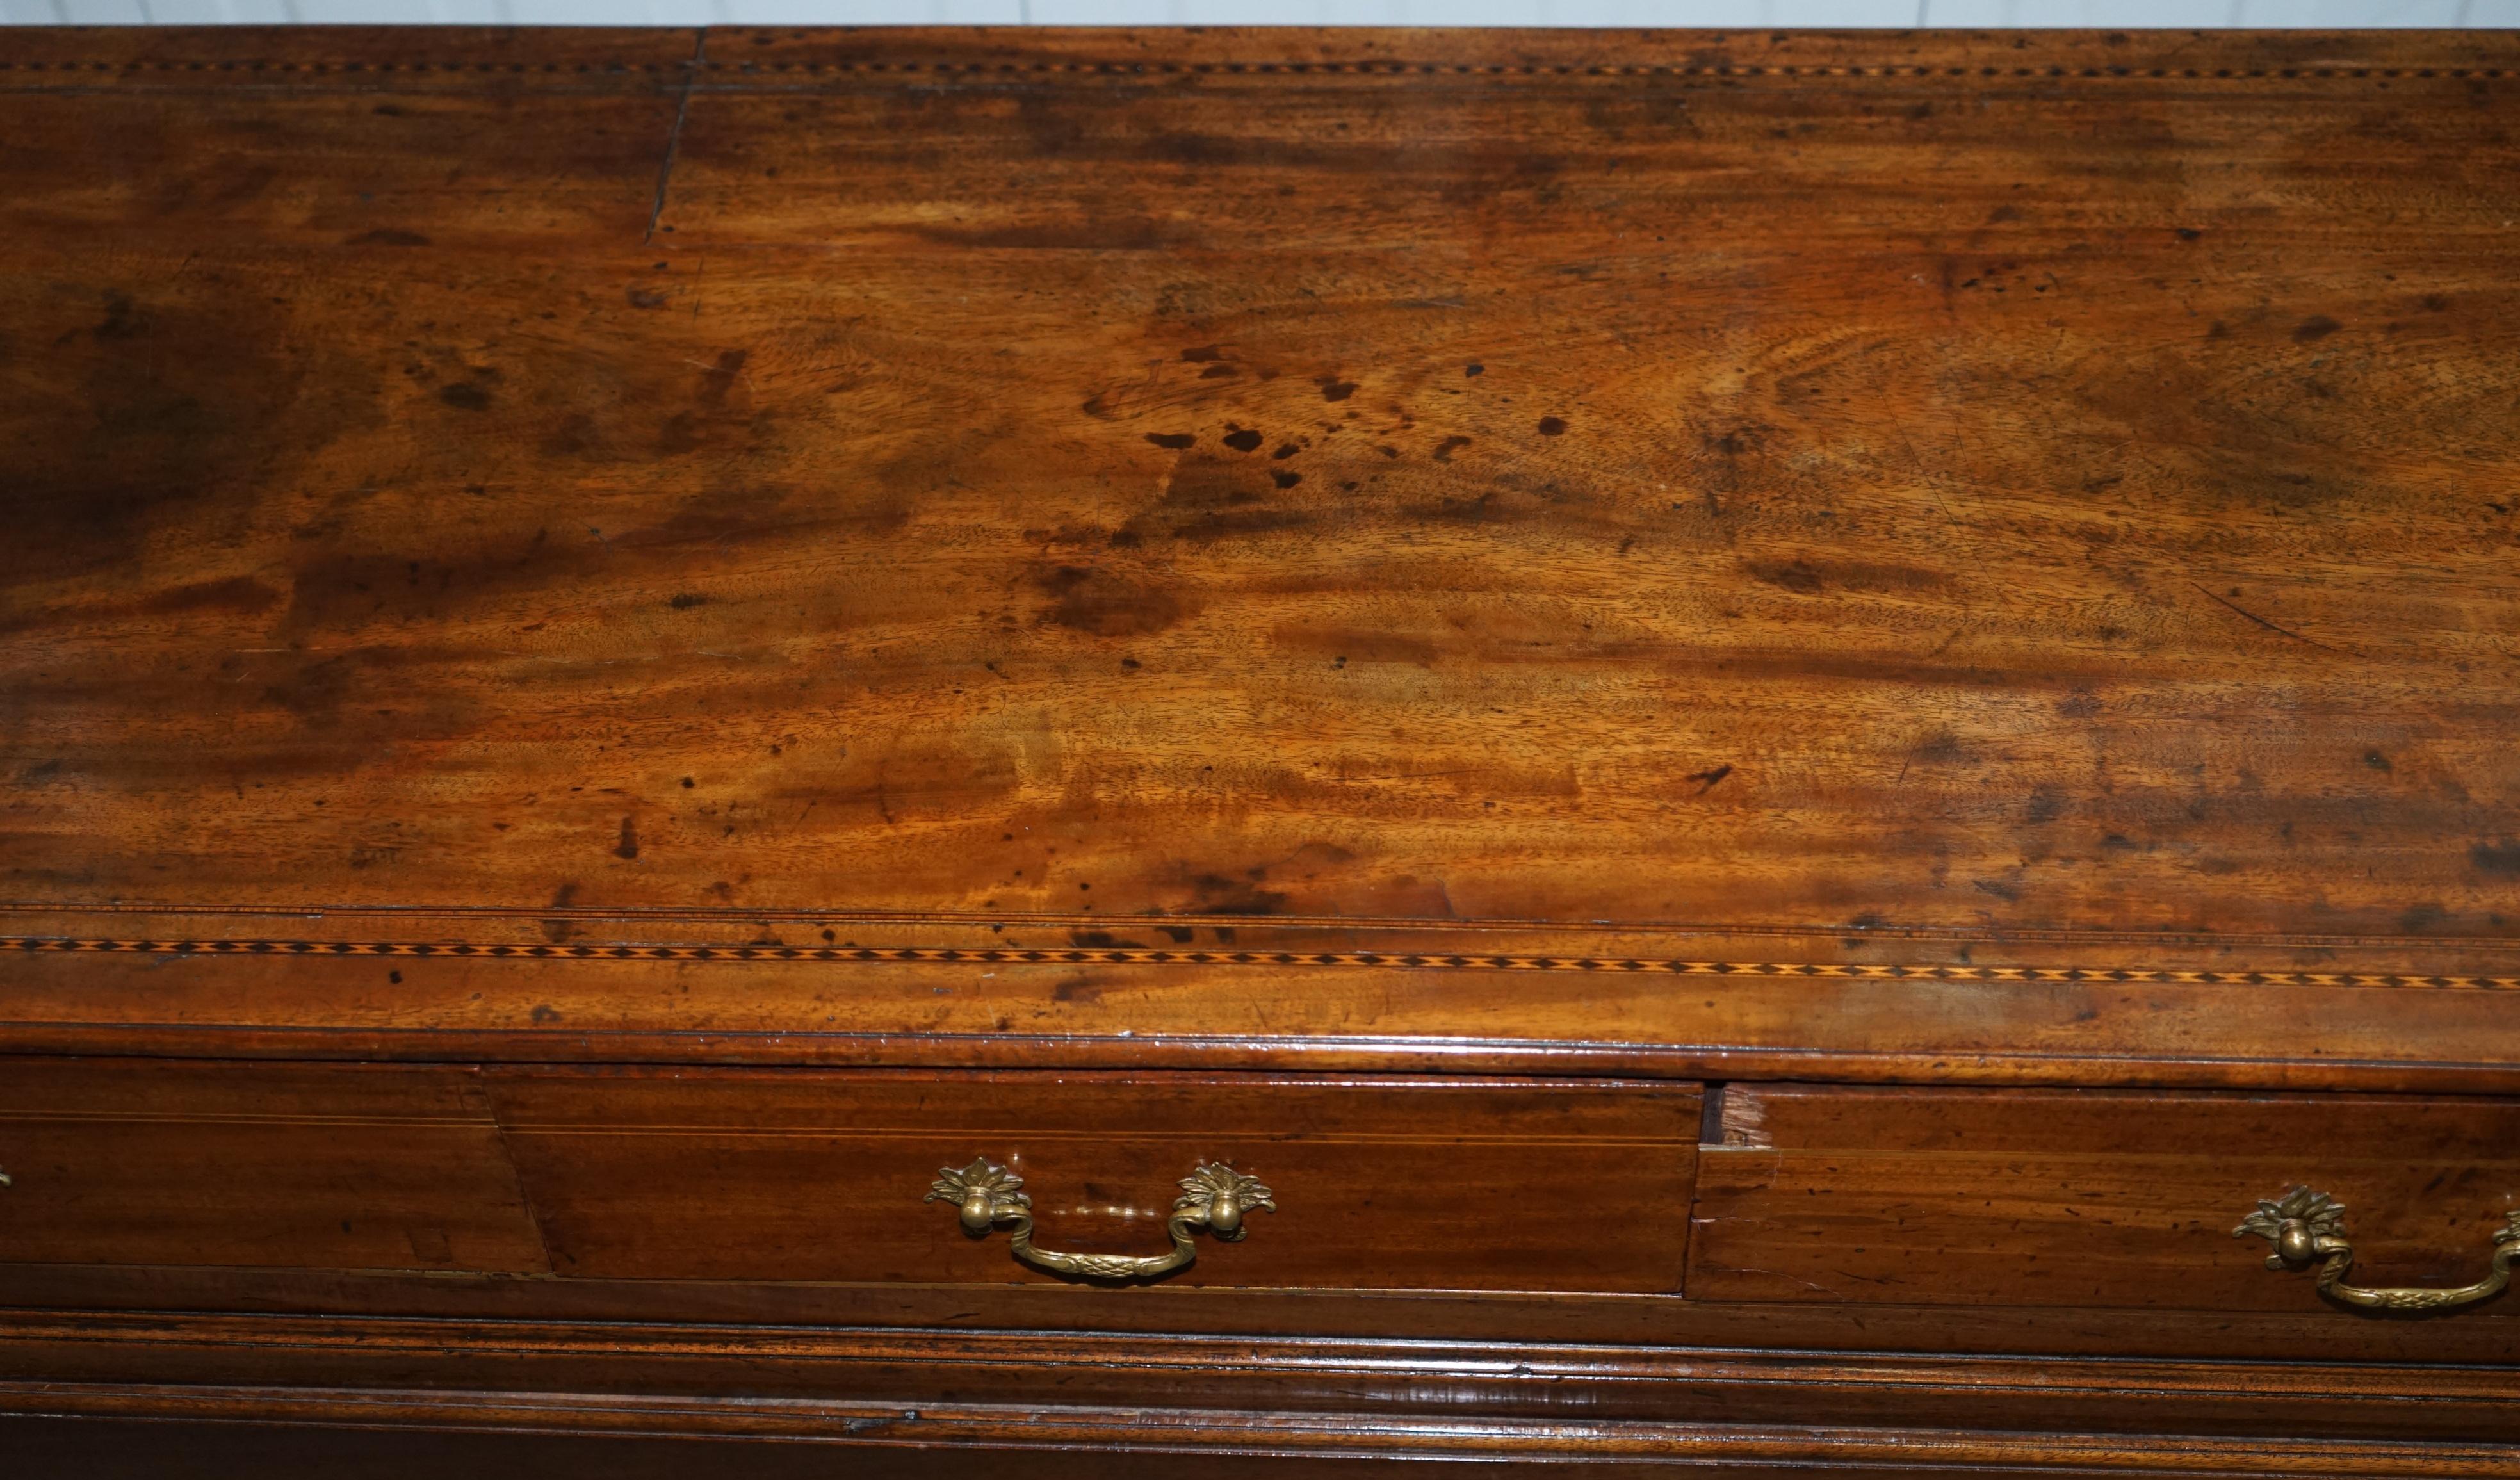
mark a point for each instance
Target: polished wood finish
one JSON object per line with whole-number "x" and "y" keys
{"x": 1229, "y": 1373}
{"x": 1159, "y": 1440}
{"x": 1808, "y": 481}
{"x": 141, "y": 1163}
{"x": 1667, "y": 1004}
{"x": 714, "y": 619}
{"x": 1844, "y": 1193}
{"x": 438, "y": 455}
{"x": 1389, "y": 1184}
{"x": 1507, "y": 1321}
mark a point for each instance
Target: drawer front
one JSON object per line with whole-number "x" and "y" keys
{"x": 2063, "y": 1197}
{"x": 272, "y": 1165}
{"x": 1380, "y": 1185}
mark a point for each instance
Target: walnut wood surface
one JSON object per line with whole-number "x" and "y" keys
{"x": 141, "y": 1163}
{"x": 1395, "y": 1185}
{"x": 1970, "y": 483}
{"x": 2087, "y": 1197}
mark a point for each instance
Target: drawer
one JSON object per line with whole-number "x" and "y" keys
{"x": 275, "y": 1165}
{"x": 1376, "y": 1184}
{"x": 2064, "y": 1197}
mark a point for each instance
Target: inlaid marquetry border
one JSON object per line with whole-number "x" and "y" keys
{"x": 1377, "y": 69}
{"x": 1395, "y": 68}
{"x": 1159, "y": 955}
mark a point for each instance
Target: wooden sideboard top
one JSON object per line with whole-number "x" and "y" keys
{"x": 1566, "y": 504}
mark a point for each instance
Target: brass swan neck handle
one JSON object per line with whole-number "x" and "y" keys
{"x": 2305, "y": 1226}
{"x": 1215, "y": 1197}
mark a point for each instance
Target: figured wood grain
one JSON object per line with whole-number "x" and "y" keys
{"x": 1380, "y": 1185}
{"x": 1956, "y": 482}
{"x": 2088, "y": 1197}
{"x": 1910, "y": 558}
{"x": 142, "y": 1163}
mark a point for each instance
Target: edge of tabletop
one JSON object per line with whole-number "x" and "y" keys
{"x": 43, "y": 57}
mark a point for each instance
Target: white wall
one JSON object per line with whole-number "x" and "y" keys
{"x": 1717, "y": 13}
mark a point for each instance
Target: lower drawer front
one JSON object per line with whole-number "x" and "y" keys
{"x": 274, "y": 1165}
{"x": 1377, "y": 1184}
{"x": 2069, "y": 1198}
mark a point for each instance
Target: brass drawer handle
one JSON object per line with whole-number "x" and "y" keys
{"x": 2305, "y": 1225}
{"x": 1214, "y": 1198}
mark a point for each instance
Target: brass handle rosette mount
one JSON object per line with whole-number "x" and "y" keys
{"x": 2309, "y": 1228}
{"x": 1215, "y": 1197}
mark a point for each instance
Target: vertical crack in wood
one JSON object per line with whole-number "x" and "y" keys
{"x": 674, "y": 136}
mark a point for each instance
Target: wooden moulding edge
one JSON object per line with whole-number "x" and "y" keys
{"x": 1557, "y": 1059}
{"x": 1209, "y": 1431}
